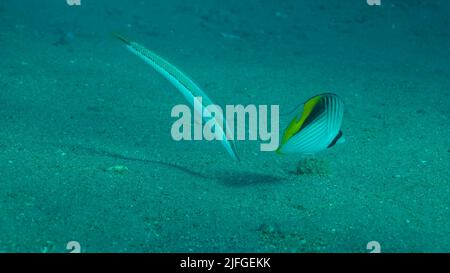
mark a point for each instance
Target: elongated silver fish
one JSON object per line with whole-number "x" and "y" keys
{"x": 187, "y": 88}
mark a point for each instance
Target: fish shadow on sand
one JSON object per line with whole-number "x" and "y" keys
{"x": 228, "y": 178}
{"x": 82, "y": 150}
{"x": 244, "y": 179}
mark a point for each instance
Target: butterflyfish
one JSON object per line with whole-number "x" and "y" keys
{"x": 315, "y": 127}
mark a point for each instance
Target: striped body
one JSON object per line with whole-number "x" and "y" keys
{"x": 316, "y": 127}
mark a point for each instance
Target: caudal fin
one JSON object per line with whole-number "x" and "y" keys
{"x": 121, "y": 38}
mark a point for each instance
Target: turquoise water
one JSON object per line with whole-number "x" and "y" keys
{"x": 86, "y": 152}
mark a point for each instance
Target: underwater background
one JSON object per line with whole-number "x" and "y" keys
{"x": 86, "y": 152}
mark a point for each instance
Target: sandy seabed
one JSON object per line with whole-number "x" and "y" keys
{"x": 86, "y": 152}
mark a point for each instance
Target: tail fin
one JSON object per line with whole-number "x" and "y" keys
{"x": 120, "y": 37}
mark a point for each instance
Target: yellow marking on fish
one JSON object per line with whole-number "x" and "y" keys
{"x": 297, "y": 122}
